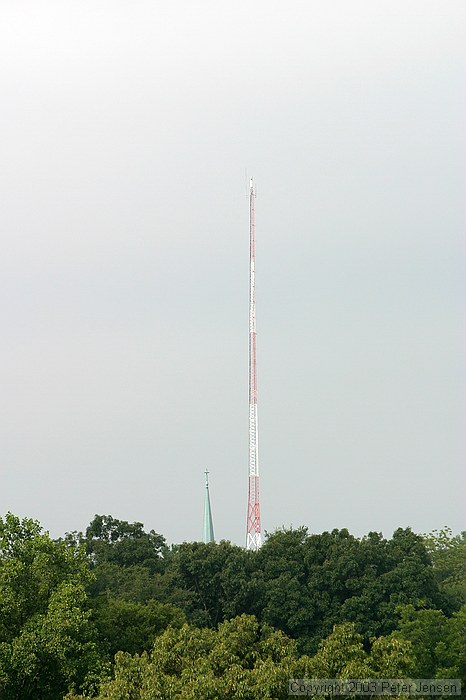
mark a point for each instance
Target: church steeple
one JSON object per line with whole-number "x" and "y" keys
{"x": 208, "y": 535}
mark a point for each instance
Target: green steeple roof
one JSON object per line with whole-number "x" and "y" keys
{"x": 208, "y": 535}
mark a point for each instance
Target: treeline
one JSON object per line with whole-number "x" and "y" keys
{"x": 115, "y": 613}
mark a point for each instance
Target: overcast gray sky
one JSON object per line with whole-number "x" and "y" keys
{"x": 126, "y": 128}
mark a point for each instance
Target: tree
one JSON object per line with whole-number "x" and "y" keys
{"x": 448, "y": 554}
{"x": 438, "y": 641}
{"x": 244, "y": 659}
{"x": 309, "y": 583}
{"x": 342, "y": 655}
{"x": 302, "y": 584}
{"x": 125, "y": 544}
{"x": 47, "y": 639}
{"x": 218, "y": 577}
{"x": 123, "y": 625}
{"x": 451, "y": 650}
{"x": 424, "y": 628}
{"x": 241, "y": 659}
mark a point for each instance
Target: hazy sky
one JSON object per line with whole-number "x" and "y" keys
{"x": 126, "y": 128}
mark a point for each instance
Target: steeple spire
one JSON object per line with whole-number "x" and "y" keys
{"x": 208, "y": 535}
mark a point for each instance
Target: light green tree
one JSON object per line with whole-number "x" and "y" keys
{"x": 47, "y": 640}
{"x": 342, "y": 655}
{"x": 239, "y": 660}
{"x": 448, "y": 554}
{"x": 438, "y": 641}
{"x": 242, "y": 659}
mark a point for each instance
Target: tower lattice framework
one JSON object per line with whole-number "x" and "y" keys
{"x": 254, "y": 532}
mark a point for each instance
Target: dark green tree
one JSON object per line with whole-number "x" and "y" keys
{"x": 219, "y": 578}
{"x": 127, "y": 626}
{"x": 131, "y": 593}
{"x": 311, "y": 582}
{"x": 125, "y": 544}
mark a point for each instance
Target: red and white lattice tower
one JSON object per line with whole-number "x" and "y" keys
{"x": 254, "y": 533}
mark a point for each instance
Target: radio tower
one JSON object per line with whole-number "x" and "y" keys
{"x": 254, "y": 535}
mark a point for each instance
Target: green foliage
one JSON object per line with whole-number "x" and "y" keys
{"x": 47, "y": 640}
{"x": 239, "y": 660}
{"x": 219, "y": 578}
{"x": 127, "y": 626}
{"x": 448, "y": 553}
{"x": 243, "y": 659}
{"x": 452, "y": 648}
{"x": 125, "y": 544}
{"x": 310, "y": 583}
{"x": 137, "y": 584}
{"x": 325, "y": 605}
{"x": 342, "y": 655}
{"x": 438, "y": 641}
{"x": 130, "y": 597}
{"x": 302, "y": 584}
{"x": 424, "y": 629}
